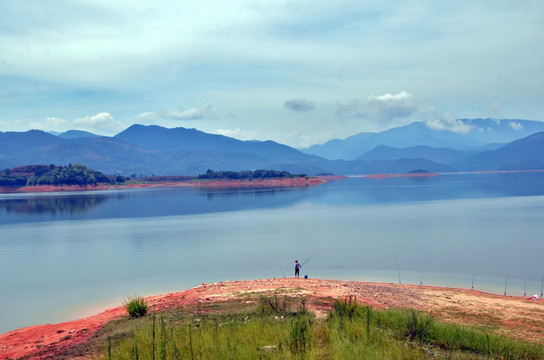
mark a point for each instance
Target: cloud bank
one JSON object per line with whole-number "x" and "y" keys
{"x": 196, "y": 113}
{"x": 389, "y": 110}
{"x": 385, "y": 109}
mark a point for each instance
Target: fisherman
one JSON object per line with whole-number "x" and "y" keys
{"x": 297, "y": 269}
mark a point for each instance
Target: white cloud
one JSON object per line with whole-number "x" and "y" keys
{"x": 100, "y": 119}
{"x": 386, "y": 109}
{"x": 4, "y": 122}
{"x": 50, "y": 123}
{"x": 389, "y": 110}
{"x": 494, "y": 109}
{"x": 100, "y": 122}
{"x": 55, "y": 121}
{"x": 196, "y": 113}
{"x": 435, "y": 120}
{"x": 146, "y": 118}
{"x": 236, "y": 133}
{"x": 403, "y": 96}
{"x": 516, "y": 125}
{"x": 299, "y": 105}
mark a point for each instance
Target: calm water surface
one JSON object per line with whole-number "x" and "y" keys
{"x": 68, "y": 255}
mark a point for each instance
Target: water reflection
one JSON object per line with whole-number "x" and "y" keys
{"x": 245, "y": 192}
{"x": 51, "y": 205}
{"x": 157, "y": 202}
{"x": 16, "y": 208}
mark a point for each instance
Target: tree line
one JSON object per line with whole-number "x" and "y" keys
{"x": 246, "y": 175}
{"x": 76, "y": 174}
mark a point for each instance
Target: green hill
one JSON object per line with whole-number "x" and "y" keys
{"x": 54, "y": 175}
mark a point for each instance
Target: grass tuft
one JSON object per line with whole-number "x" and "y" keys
{"x": 136, "y": 306}
{"x": 419, "y": 326}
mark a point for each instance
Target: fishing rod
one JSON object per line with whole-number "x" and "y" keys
{"x": 398, "y": 270}
{"x": 525, "y": 288}
{"x": 281, "y": 269}
{"x": 542, "y": 287}
{"x": 505, "y": 284}
{"x": 473, "y": 275}
{"x": 304, "y": 262}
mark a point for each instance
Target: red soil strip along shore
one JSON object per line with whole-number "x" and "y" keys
{"x": 516, "y": 317}
{"x": 218, "y": 184}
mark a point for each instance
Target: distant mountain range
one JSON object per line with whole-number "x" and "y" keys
{"x": 482, "y": 133}
{"x": 155, "y": 150}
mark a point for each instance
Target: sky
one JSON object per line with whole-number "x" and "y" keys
{"x": 298, "y": 72}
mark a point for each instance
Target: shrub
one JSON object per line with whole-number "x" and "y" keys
{"x": 136, "y": 306}
{"x": 274, "y": 305}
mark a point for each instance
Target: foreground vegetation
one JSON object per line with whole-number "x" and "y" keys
{"x": 282, "y": 328}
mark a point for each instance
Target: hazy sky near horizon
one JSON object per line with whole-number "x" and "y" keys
{"x": 298, "y": 72}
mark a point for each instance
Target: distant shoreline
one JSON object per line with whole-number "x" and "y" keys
{"x": 205, "y": 184}
{"x": 432, "y": 174}
{"x": 296, "y": 182}
{"x": 386, "y": 176}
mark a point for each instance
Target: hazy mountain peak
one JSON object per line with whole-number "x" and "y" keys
{"x": 76, "y": 134}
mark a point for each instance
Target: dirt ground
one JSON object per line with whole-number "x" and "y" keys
{"x": 515, "y": 317}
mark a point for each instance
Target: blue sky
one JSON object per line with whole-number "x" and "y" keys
{"x": 297, "y": 72}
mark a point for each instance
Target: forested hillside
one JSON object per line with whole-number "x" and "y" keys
{"x": 54, "y": 175}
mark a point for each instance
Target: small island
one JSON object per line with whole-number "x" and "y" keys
{"x": 417, "y": 173}
{"x": 78, "y": 177}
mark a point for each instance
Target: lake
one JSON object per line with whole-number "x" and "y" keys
{"x": 67, "y": 255}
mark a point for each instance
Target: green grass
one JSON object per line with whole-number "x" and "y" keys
{"x": 351, "y": 331}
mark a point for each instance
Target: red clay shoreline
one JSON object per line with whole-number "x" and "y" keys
{"x": 519, "y": 317}
{"x": 215, "y": 184}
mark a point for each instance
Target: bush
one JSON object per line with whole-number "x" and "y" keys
{"x": 136, "y": 306}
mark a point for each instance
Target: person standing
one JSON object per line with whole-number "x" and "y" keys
{"x": 297, "y": 269}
